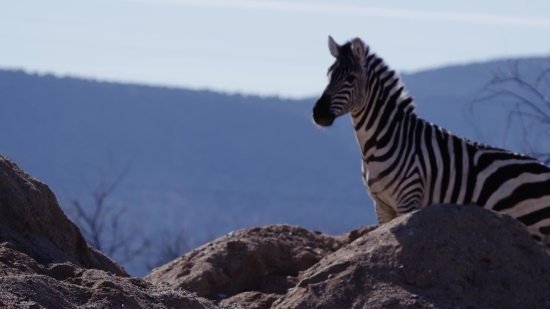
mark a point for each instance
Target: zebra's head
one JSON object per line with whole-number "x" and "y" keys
{"x": 343, "y": 92}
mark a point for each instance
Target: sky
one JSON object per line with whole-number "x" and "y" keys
{"x": 271, "y": 47}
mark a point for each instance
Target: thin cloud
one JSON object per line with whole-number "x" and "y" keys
{"x": 312, "y": 8}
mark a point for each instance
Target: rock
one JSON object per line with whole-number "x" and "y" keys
{"x": 253, "y": 266}
{"x": 445, "y": 256}
{"x": 253, "y": 300}
{"x": 390, "y": 301}
{"x": 46, "y": 263}
{"x": 350, "y": 237}
{"x": 92, "y": 288}
{"x": 33, "y": 305}
{"x": 28, "y": 207}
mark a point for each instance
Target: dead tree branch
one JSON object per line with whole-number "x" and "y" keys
{"x": 527, "y": 104}
{"x": 101, "y": 222}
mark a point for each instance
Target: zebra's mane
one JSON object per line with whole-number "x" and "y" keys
{"x": 376, "y": 67}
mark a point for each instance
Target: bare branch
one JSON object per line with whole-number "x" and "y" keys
{"x": 100, "y": 223}
{"x": 531, "y": 107}
{"x": 543, "y": 76}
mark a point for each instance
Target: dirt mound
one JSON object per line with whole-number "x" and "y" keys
{"x": 46, "y": 263}
{"x": 252, "y": 266}
{"x": 445, "y": 256}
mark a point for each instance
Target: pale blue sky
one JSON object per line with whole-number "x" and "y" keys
{"x": 255, "y": 46}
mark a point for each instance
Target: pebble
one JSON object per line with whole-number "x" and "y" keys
{"x": 23, "y": 298}
{"x": 390, "y": 301}
{"x": 33, "y": 305}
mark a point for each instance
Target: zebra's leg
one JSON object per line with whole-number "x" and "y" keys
{"x": 384, "y": 213}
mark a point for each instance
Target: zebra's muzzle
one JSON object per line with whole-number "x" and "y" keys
{"x": 322, "y": 115}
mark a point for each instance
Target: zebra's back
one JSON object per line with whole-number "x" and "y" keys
{"x": 516, "y": 185}
{"x": 452, "y": 169}
{"x": 468, "y": 172}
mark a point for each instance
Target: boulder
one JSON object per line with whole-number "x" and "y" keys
{"x": 45, "y": 261}
{"x": 444, "y": 256}
{"x": 31, "y": 217}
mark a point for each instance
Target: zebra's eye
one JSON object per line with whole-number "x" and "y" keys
{"x": 350, "y": 78}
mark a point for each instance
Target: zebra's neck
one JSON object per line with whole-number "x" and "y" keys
{"x": 384, "y": 107}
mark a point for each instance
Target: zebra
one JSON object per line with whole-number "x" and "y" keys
{"x": 409, "y": 163}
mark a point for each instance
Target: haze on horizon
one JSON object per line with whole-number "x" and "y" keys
{"x": 266, "y": 47}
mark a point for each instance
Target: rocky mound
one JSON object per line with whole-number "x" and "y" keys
{"x": 46, "y": 263}
{"x": 31, "y": 218}
{"x": 445, "y": 256}
{"x": 252, "y": 267}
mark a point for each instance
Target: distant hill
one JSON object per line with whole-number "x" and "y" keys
{"x": 213, "y": 162}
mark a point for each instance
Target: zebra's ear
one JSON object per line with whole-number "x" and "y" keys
{"x": 333, "y": 47}
{"x": 358, "y": 48}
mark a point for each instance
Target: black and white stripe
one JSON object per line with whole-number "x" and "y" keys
{"x": 409, "y": 163}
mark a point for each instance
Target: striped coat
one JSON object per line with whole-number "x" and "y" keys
{"x": 409, "y": 163}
